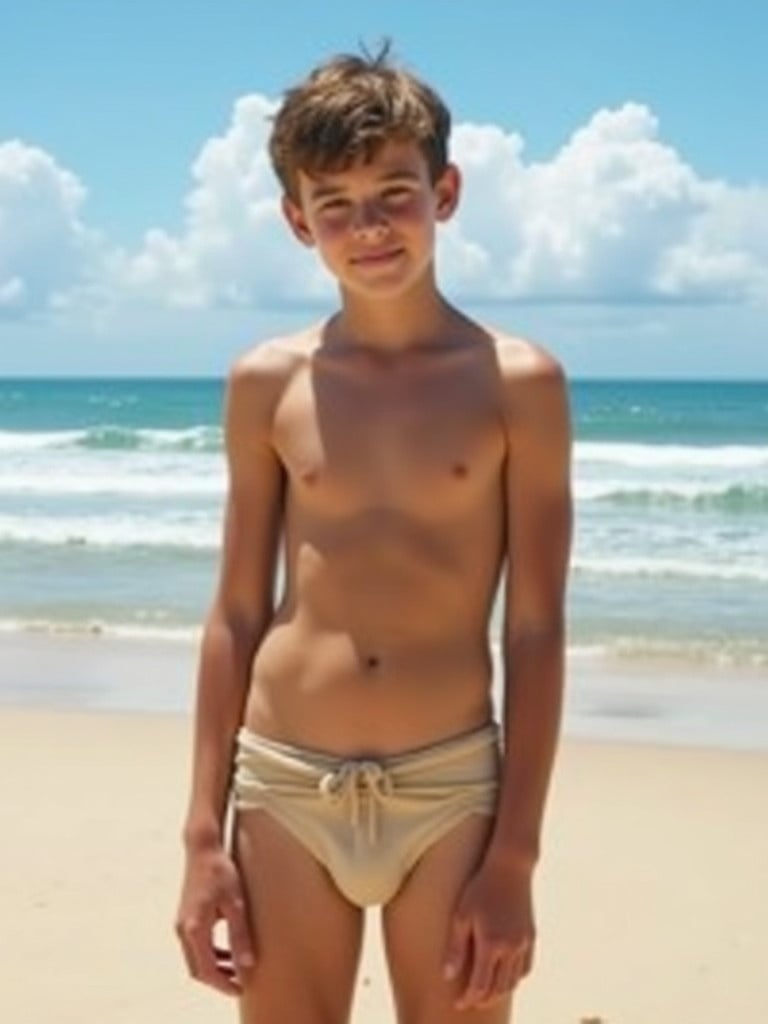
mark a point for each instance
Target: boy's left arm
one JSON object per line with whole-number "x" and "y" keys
{"x": 492, "y": 933}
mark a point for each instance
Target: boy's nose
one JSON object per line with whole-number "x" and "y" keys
{"x": 369, "y": 221}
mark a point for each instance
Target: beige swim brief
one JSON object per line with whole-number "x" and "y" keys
{"x": 368, "y": 821}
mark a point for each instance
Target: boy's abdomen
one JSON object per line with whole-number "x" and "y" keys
{"x": 381, "y": 642}
{"x": 310, "y": 689}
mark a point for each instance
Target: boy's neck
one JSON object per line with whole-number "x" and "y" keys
{"x": 395, "y": 325}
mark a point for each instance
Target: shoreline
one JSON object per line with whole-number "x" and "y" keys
{"x": 651, "y": 701}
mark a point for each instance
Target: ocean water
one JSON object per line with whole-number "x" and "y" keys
{"x": 111, "y": 493}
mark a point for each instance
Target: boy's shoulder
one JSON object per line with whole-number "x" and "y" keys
{"x": 523, "y": 365}
{"x": 519, "y": 358}
{"x": 259, "y": 376}
{"x": 266, "y": 367}
{"x": 533, "y": 387}
{"x": 273, "y": 359}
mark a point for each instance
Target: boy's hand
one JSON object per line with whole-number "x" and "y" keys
{"x": 491, "y": 936}
{"x": 212, "y": 892}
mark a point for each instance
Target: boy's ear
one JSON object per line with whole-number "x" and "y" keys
{"x": 447, "y": 192}
{"x": 297, "y": 222}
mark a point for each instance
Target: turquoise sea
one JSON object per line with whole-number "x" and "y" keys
{"x": 111, "y": 491}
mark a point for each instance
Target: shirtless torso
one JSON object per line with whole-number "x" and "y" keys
{"x": 393, "y": 545}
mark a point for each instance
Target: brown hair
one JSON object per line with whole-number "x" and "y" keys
{"x": 348, "y": 108}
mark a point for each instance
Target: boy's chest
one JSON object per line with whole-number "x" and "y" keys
{"x": 417, "y": 444}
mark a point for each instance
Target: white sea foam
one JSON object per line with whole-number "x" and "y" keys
{"x": 98, "y": 627}
{"x": 160, "y": 483}
{"x": 731, "y": 494}
{"x": 26, "y": 441}
{"x": 657, "y": 456}
{"x": 202, "y": 438}
{"x": 660, "y": 568}
{"x": 208, "y": 438}
{"x": 186, "y": 476}
{"x": 114, "y": 531}
{"x": 189, "y": 461}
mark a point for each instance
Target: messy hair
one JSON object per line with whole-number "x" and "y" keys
{"x": 346, "y": 109}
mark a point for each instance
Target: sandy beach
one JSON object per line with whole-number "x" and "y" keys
{"x": 651, "y": 893}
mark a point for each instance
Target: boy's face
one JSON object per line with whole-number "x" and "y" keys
{"x": 374, "y": 223}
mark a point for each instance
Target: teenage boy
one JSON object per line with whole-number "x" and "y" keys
{"x": 403, "y": 457}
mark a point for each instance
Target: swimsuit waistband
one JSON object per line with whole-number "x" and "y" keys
{"x": 418, "y": 757}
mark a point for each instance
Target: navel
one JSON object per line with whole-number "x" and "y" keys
{"x": 372, "y": 661}
{"x": 459, "y": 469}
{"x": 310, "y": 476}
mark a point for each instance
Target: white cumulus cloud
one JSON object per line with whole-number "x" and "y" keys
{"x": 234, "y": 248}
{"x": 615, "y": 215}
{"x": 45, "y": 249}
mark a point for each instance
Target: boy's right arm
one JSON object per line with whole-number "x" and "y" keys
{"x": 240, "y": 614}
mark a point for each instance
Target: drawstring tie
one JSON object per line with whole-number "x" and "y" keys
{"x": 353, "y": 781}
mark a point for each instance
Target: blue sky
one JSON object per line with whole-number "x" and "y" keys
{"x": 616, "y": 178}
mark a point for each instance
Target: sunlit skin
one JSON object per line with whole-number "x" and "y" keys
{"x": 406, "y": 457}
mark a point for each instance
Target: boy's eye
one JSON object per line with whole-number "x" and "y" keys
{"x": 333, "y": 204}
{"x": 396, "y": 194}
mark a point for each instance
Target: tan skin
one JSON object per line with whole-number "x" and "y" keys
{"x": 406, "y": 457}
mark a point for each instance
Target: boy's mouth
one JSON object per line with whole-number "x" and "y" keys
{"x": 375, "y": 258}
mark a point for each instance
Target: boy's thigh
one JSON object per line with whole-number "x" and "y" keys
{"x": 416, "y": 925}
{"x": 307, "y": 936}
